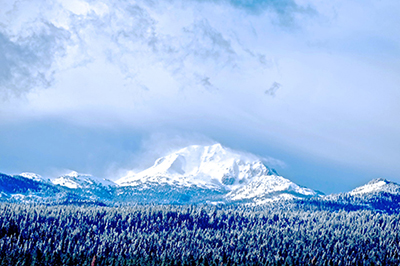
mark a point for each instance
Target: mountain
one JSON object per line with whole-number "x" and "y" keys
{"x": 376, "y": 186}
{"x": 75, "y": 180}
{"x": 378, "y": 194}
{"x": 70, "y": 188}
{"x": 87, "y": 188}
{"x": 231, "y": 175}
{"x": 197, "y": 175}
{"x": 34, "y": 177}
{"x": 29, "y": 187}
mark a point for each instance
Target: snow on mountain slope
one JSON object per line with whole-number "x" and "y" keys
{"x": 376, "y": 185}
{"x": 75, "y": 180}
{"x": 244, "y": 176}
{"x": 34, "y": 177}
{"x": 270, "y": 185}
{"x": 206, "y": 166}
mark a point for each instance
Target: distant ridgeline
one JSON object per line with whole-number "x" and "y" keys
{"x": 195, "y": 175}
{"x": 36, "y": 234}
{"x": 379, "y": 195}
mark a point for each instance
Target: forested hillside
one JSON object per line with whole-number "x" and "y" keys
{"x": 195, "y": 235}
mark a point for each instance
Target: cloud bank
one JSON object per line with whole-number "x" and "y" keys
{"x": 289, "y": 79}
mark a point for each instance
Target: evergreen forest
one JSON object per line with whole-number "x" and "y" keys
{"x": 36, "y": 234}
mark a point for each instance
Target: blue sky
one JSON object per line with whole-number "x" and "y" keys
{"x": 106, "y": 86}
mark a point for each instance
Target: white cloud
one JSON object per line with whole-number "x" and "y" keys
{"x": 26, "y": 62}
{"x": 204, "y": 66}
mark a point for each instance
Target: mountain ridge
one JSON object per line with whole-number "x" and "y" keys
{"x": 377, "y": 185}
{"x": 219, "y": 168}
{"x": 192, "y": 175}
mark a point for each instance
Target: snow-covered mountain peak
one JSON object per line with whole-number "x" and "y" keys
{"x": 380, "y": 181}
{"x": 376, "y": 185}
{"x": 209, "y": 159}
{"x": 242, "y": 176}
{"x": 201, "y": 165}
{"x": 77, "y": 180}
{"x": 33, "y": 176}
{"x": 76, "y": 174}
{"x": 214, "y": 153}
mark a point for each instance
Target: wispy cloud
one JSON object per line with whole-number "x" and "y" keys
{"x": 273, "y": 89}
{"x": 285, "y": 12}
{"x": 26, "y": 62}
{"x": 129, "y": 35}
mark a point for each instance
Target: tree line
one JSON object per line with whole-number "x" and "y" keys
{"x": 35, "y": 234}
